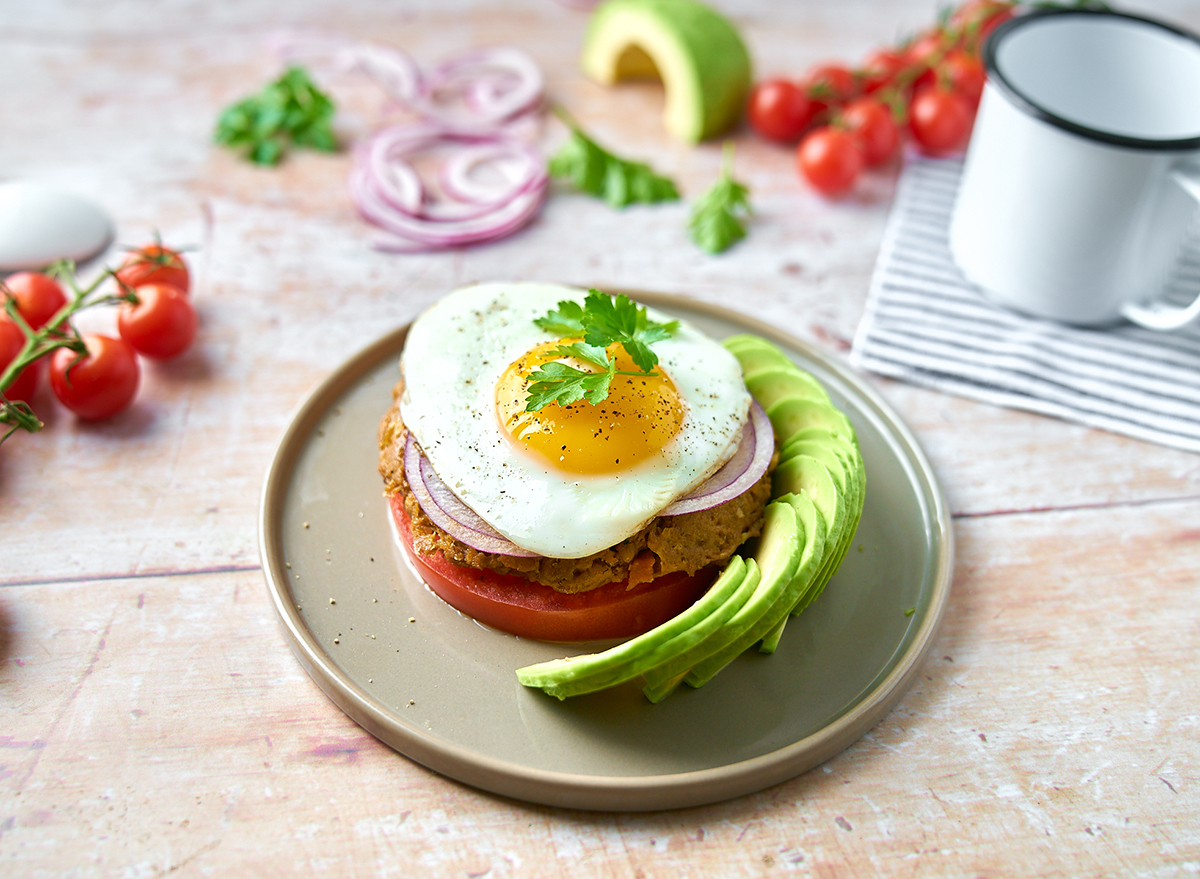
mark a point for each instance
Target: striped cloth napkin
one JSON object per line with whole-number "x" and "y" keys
{"x": 926, "y": 324}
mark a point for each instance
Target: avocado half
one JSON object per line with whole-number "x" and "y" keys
{"x": 694, "y": 50}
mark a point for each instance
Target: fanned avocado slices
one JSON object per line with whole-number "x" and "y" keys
{"x": 818, "y": 491}
{"x": 794, "y": 572}
{"x": 596, "y": 671}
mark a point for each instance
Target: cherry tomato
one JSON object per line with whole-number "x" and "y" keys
{"x": 154, "y": 264}
{"x": 830, "y": 159}
{"x": 940, "y": 119}
{"x": 99, "y": 384}
{"x": 878, "y": 69}
{"x": 39, "y": 297}
{"x": 779, "y": 109}
{"x": 927, "y": 48}
{"x": 976, "y": 19}
{"x": 11, "y": 342}
{"x": 964, "y": 73}
{"x": 162, "y": 324}
{"x": 831, "y": 82}
{"x": 828, "y": 86}
{"x": 874, "y": 126}
{"x": 532, "y": 610}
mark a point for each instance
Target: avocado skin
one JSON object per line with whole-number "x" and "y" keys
{"x": 818, "y": 488}
{"x": 712, "y": 72}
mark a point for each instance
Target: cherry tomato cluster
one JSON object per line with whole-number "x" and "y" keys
{"x": 93, "y": 375}
{"x": 850, "y": 118}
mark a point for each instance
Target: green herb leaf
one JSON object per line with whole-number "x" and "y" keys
{"x": 559, "y": 383}
{"x": 566, "y": 321}
{"x": 718, "y": 218}
{"x": 593, "y": 354}
{"x": 602, "y": 320}
{"x": 618, "y": 319}
{"x": 593, "y": 170}
{"x": 291, "y": 110}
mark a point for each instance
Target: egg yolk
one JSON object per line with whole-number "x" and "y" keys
{"x": 638, "y": 418}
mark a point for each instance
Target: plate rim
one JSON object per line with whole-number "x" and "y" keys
{"x": 596, "y": 792}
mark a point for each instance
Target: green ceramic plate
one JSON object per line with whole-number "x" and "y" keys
{"x": 441, "y": 689}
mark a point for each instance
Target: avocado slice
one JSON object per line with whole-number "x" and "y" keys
{"x": 812, "y": 549}
{"x": 848, "y": 443}
{"x": 773, "y": 384}
{"x": 596, "y": 671}
{"x": 849, "y": 466}
{"x": 695, "y": 51}
{"x": 814, "y": 524}
{"x": 662, "y": 679}
{"x": 780, "y": 549}
{"x": 791, "y": 414}
{"x": 804, "y": 473}
{"x": 755, "y": 354}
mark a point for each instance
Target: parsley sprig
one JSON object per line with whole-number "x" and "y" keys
{"x": 594, "y": 170}
{"x": 602, "y": 321}
{"x": 718, "y": 218}
{"x": 289, "y": 111}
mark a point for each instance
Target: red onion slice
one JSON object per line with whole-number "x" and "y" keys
{"x": 472, "y": 103}
{"x": 481, "y": 88}
{"x": 514, "y": 171}
{"x": 449, "y": 513}
{"x": 391, "y": 69}
{"x": 387, "y": 190}
{"x": 739, "y": 473}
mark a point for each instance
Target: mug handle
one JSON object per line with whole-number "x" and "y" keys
{"x": 1159, "y": 315}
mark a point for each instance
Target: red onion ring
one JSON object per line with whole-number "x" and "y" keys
{"x": 470, "y": 102}
{"x": 393, "y": 71}
{"x": 449, "y": 513}
{"x": 743, "y": 470}
{"x": 480, "y": 88}
{"x": 388, "y": 192}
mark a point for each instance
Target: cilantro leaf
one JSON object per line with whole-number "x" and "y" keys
{"x": 594, "y": 354}
{"x": 603, "y": 321}
{"x": 593, "y": 170}
{"x": 717, "y": 221}
{"x": 566, "y": 321}
{"x": 618, "y": 319}
{"x": 559, "y": 383}
{"x": 291, "y": 110}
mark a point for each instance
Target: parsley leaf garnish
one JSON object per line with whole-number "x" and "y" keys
{"x": 291, "y": 110}
{"x": 602, "y": 320}
{"x": 717, "y": 221}
{"x": 595, "y": 171}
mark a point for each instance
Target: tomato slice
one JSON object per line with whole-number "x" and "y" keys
{"x": 531, "y": 610}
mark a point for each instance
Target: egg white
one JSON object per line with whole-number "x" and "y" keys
{"x": 455, "y": 353}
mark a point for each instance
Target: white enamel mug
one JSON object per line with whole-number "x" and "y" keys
{"x": 1083, "y": 169}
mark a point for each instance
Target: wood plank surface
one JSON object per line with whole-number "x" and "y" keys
{"x": 152, "y": 718}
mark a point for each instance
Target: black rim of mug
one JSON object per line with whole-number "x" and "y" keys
{"x": 1024, "y": 20}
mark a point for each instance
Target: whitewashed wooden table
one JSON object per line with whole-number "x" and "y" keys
{"x": 152, "y": 717}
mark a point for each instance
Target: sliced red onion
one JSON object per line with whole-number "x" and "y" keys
{"x": 492, "y": 182}
{"x": 391, "y": 69}
{"x": 739, "y": 473}
{"x": 388, "y": 192}
{"x": 449, "y": 513}
{"x": 481, "y": 88}
{"x": 515, "y": 170}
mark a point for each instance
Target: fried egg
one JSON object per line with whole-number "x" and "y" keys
{"x": 565, "y": 481}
